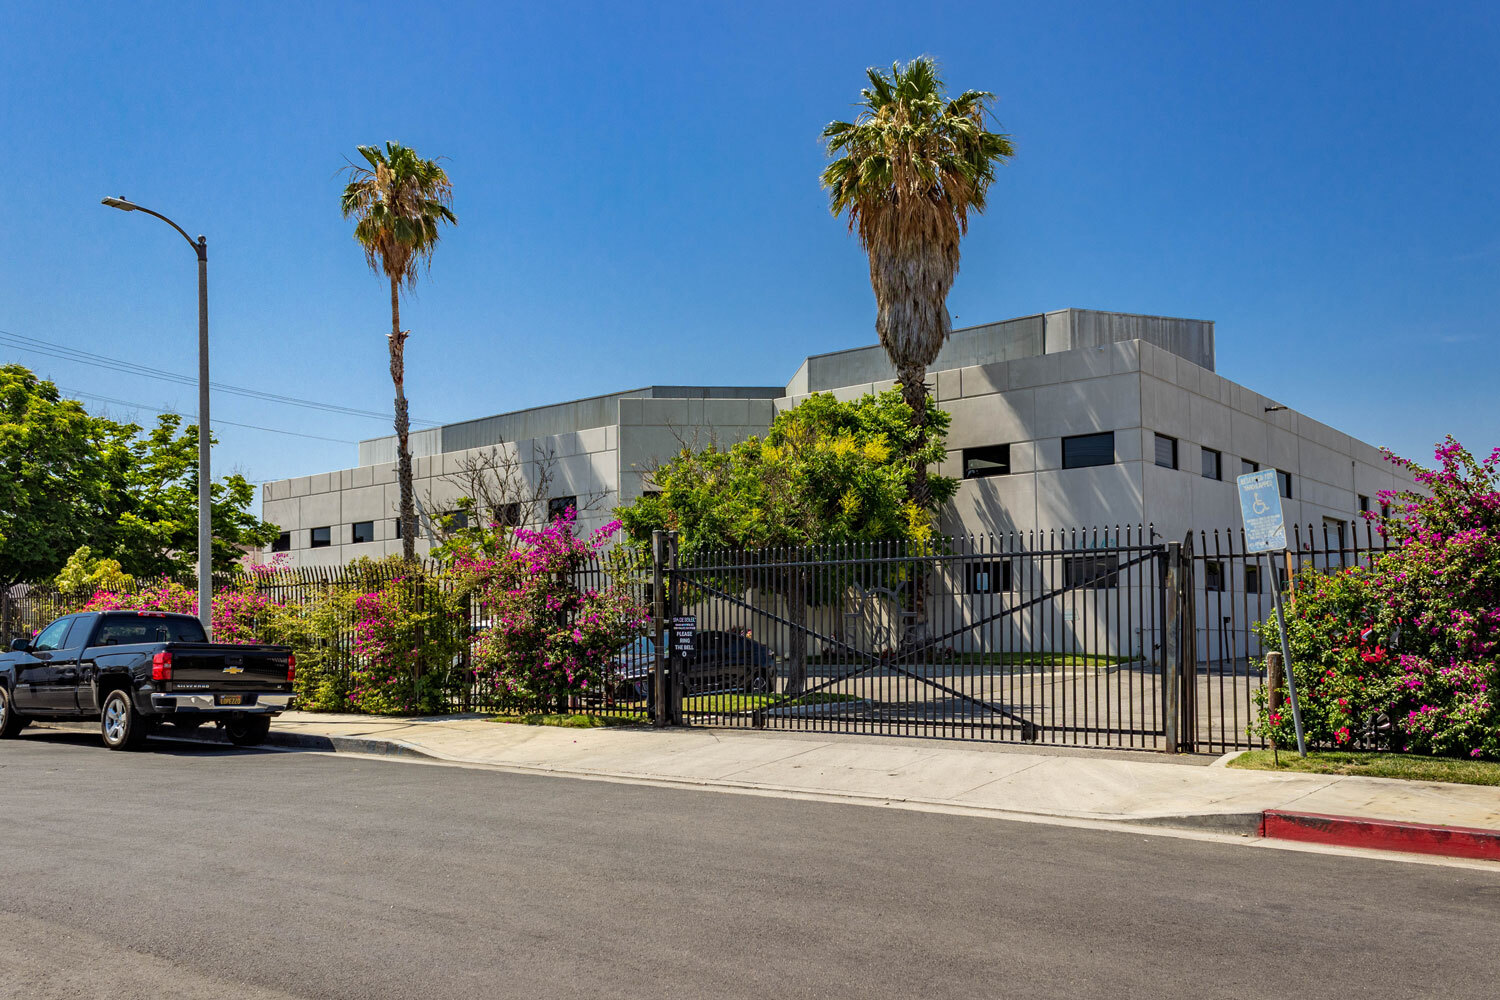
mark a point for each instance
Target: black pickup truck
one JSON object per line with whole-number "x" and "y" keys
{"x": 133, "y": 670}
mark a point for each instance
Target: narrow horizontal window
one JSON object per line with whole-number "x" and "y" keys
{"x": 989, "y": 577}
{"x": 1095, "y": 572}
{"x": 1088, "y": 449}
{"x": 1247, "y": 466}
{"x": 361, "y": 531}
{"x": 283, "y": 542}
{"x": 990, "y": 460}
{"x": 320, "y": 538}
{"x": 558, "y": 506}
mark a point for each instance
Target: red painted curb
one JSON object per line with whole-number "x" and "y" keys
{"x": 1381, "y": 834}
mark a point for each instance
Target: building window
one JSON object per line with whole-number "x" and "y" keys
{"x": 651, "y": 494}
{"x": 988, "y": 577}
{"x": 362, "y": 531}
{"x": 397, "y": 522}
{"x": 454, "y": 520}
{"x": 1247, "y": 467}
{"x": 1333, "y": 532}
{"x": 991, "y": 460}
{"x": 1088, "y": 449}
{"x": 508, "y": 515}
{"x": 1212, "y": 464}
{"x": 1252, "y": 579}
{"x": 1284, "y": 483}
{"x": 1213, "y": 575}
{"x": 283, "y": 542}
{"x": 558, "y": 506}
{"x": 1098, "y": 572}
{"x": 1385, "y": 511}
{"x": 1166, "y": 451}
{"x": 320, "y": 538}
{"x": 1364, "y": 504}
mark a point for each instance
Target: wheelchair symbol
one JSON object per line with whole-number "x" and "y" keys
{"x": 1260, "y": 506}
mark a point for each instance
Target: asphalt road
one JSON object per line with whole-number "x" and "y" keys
{"x": 212, "y": 872}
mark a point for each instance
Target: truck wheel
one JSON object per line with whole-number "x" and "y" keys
{"x": 248, "y": 730}
{"x": 11, "y": 724}
{"x": 119, "y": 723}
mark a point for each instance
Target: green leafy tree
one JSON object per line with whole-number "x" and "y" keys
{"x": 399, "y": 202}
{"x": 151, "y": 513}
{"x": 51, "y": 476}
{"x": 69, "y": 479}
{"x": 908, "y": 171}
{"x": 826, "y": 473}
{"x": 85, "y": 574}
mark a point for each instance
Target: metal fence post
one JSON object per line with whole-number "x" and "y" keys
{"x": 1187, "y": 674}
{"x": 1171, "y": 641}
{"x": 659, "y": 716}
{"x": 678, "y": 672}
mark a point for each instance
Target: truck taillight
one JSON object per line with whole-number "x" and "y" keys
{"x": 161, "y": 666}
{"x": 291, "y": 667}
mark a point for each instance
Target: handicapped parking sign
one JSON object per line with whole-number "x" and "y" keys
{"x": 1260, "y": 509}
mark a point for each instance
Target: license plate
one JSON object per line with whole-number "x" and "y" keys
{"x": 231, "y": 699}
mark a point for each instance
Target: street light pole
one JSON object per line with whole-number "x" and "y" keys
{"x": 205, "y": 477}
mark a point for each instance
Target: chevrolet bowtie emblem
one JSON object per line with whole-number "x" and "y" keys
{"x": 234, "y": 670}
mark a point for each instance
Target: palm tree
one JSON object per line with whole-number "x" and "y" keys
{"x": 908, "y": 171}
{"x": 399, "y": 201}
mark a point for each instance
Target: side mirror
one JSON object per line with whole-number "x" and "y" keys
{"x": 20, "y": 645}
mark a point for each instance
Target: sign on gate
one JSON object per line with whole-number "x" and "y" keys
{"x": 683, "y": 628}
{"x": 1260, "y": 507}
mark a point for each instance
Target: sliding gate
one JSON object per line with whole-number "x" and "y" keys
{"x": 1051, "y": 637}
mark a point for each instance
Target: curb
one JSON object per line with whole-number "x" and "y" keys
{"x": 1382, "y": 835}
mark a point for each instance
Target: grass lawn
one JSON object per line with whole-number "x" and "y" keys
{"x": 1376, "y": 765}
{"x": 732, "y": 702}
{"x": 574, "y": 720}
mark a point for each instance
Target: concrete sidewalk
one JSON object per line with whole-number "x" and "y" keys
{"x": 1003, "y": 779}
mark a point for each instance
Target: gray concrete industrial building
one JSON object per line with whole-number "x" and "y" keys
{"x": 1065, "y": 419}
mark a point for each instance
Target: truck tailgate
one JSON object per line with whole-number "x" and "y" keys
{"x": 201, "y": 666}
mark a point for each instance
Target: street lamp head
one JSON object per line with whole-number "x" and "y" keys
{"x": 119, "y": 203}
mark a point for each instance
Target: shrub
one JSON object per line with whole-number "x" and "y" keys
{"x": 407, "y": 634}
{"x": 548, "y": 639}
{"x": 1417, "y": 635}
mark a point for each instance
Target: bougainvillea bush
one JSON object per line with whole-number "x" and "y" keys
{"x": 235, "y": 612}
{"x": 546, "y": 638}
{"x": 407, "y": 633}
{"x": 1412, "y": 642}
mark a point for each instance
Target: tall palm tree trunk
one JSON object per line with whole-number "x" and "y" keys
{"x": 914, "y": 391}
{"x": 403, "y": 428}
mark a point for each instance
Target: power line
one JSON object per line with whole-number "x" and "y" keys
{"x": 211, "y": 421}
{"x": 19, "y": 342}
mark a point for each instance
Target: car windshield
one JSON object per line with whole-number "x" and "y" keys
{"x": 126, "y": 630}
{"x": 645, "y": 644}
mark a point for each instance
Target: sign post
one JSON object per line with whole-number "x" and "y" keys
{"x": 1265, "y": 531}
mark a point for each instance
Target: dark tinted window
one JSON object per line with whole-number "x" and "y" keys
{"x": 320, "y": 538}
{"x": 1088, "y": 449}
{"x": 508, "y": 515}
{"x": 283, "y": 542}
{"x": 362, "y": 531}
{"x": 125, "y": 630}
{"x": 1364, "y": 503}
{"x": 1284, "y": 483}
{"x": 456, "y": 519}
{"x": 78, "y": 634}
{"x": 558, "y": 506}
{"x": 991, "y": 460}
{"x": 1166, "y": 451}
{"x": 1213, "y": 575}
{"x": 1098, "y": 572}
{"x": 1252, "y": 579}
{"x": 988, "y": 577}
{"x": 1211, "y": 469}
{"x": 398, "y": 527}
{"x": 1247, "y": 466}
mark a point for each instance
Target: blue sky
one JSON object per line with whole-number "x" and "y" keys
{"x": 636, "y": 187}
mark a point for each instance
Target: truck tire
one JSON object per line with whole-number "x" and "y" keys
{"x": 247, "y": 730}
{"x": 121, "y": 726}
{"x": 11, "y": 724}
